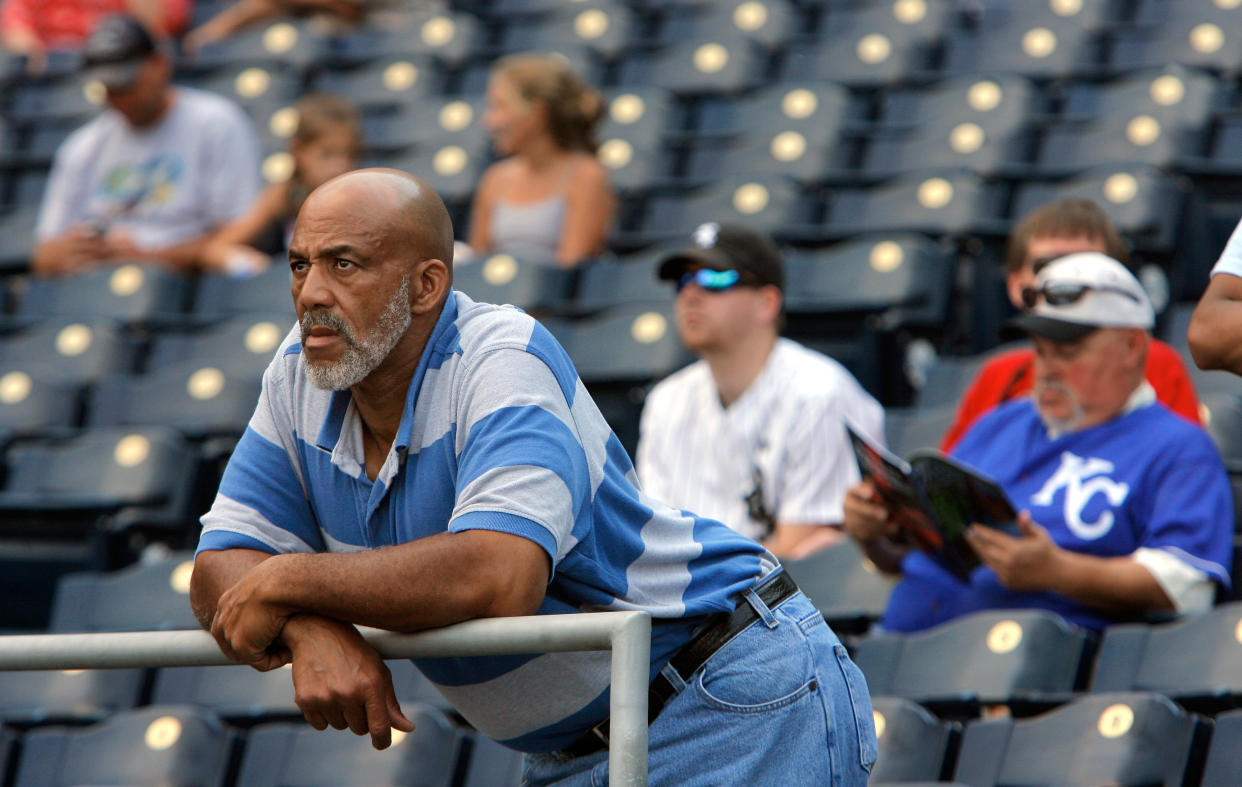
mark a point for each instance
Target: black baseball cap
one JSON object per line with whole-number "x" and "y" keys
{"x": 116, "y": 50}
{"x": 728, "y": 247}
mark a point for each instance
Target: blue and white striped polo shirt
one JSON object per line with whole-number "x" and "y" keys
{"x": 498, "y": 433}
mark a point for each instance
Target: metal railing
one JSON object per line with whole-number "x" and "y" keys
{"x": 626, "y": 634}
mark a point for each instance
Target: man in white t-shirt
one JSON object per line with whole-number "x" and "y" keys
{"x": 752, "y": 434}
{"x": 154, "y": 175}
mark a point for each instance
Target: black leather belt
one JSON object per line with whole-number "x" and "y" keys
{"x": 719, "y": 629}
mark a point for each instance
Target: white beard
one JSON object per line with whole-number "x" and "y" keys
{"x": 1058, "y": 426}
{"x": 361, "y": 357}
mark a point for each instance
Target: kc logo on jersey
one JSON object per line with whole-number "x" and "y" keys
{"x": 1082, "y": 480}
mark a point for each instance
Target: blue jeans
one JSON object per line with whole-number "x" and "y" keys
{"x": 780, "y": 704}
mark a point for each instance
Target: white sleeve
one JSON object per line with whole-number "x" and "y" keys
{"x": 1190, "y": 589}
{"x": 1231, "y": 258}
{"x": 66, "y": 192}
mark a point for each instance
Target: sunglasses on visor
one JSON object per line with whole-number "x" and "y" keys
{"x": 1063, "y": 293}
{"x": 710, "y": 280}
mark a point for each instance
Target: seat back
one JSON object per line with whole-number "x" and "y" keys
{"x": 139, "y": 598}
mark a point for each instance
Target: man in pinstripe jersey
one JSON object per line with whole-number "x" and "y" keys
{"x": 753, "y": 433}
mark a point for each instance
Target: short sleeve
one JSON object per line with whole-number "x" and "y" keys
{"x": 1189, "y": 510}
{"x": 262, "y": 501}
{"x": 232, "y": 177}
{"x": 521, "y": 466}
{"x": 1230, "y": 260}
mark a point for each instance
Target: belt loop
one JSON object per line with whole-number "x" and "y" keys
{"x": 761, "y": 609}
{"x": 674, "y": 677}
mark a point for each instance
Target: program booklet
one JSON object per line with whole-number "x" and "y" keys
{"x": 934, "y": 499}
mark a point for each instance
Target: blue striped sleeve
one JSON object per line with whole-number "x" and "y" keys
{"x": 519, "y": 453}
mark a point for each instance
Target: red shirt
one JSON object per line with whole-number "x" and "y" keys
{"x": 1012, "y": 374}
{"x": 68, "y": 23}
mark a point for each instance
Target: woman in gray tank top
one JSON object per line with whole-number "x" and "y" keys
{"x": 549, "y": 201}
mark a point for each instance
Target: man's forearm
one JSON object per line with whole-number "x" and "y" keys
{"x": 214, "y": 573}
{"x": 434, "y": 581}
{"x": 1110, "y": 584}
{"x": 1215, "y": 333}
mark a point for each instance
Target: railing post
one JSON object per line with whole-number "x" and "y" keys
{"x": 631, "y": 662}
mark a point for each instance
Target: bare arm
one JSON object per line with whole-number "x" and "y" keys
{"x": 793, "y": 541}
{"x": 434, "y": 581}
{"x": 73, "y": 251}
{"x": 1215, "y": 333}
{"x": 481, "y": 211}
{"x": 236, "y": 237}
{"x": 1033, "y": 562}
{"x": 588, "y": 214}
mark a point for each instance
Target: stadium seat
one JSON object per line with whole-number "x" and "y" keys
{"x": 1145, "y": 204}
{"x": 877, "y": 45}
{"x": 1008, "y": 41}
{"x": 1198, "y": 33}
{"x": 289, "y": 45}
{"x": 845, "y": 587}
{"x": 43, "y": 139}
{"x": 769, "y": 23}
{"x": 1106, "y": 739}
{"x": 492, "y": 764}
{"x": 1194, "y": 660}
{"x": 196, "y": 399}
{"x": 68, "y": 99}
{"x": 67, "y": 696}
{"x": 632, "y": 137}
{"x": 984, "y": 123}
{"x": 606, "y": 283}
{"x": 218, "y": 295}
{"x": 728, "y": 65}
{"x": 384, "y": 84}
{"x": 795, "y": 130}
{"x": 262, "y": 92}
{"x": 534, "y": 286}
{"x": 948, "y": 203}
{"x": 450, "y": 169}
{"x": 136, "y": 477}
{"x": 1224, "y": 757}
{"x": 17, "y": 238}
{"x": 451, "y": 38}
{"x": 619, "y": 353}
{"x": 28, "y": 186}
{"x": 771, "y": 204}
{"x": 242, "y": 346}
{"x": 904, "y": 279}
{"x": 913, "y": 745}
{"x": 31, "y": 405}
{"x": 246, "y": 696}
{"x": 131, "y": 293}
{"x": 67, "y": 352}
{"x": 1021, "y": 658}
{"x": 606, "y": 29}
{"x": 1159, "y": 118}
{"x": 432, "y": 119}
{"x": 144, "y": 597}
{"x": 158, "y": 745}
{"x": 294, "y": 755}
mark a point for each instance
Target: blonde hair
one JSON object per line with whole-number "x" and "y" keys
{"x": 320, "y": 114}
{"x": 574, "y": 107}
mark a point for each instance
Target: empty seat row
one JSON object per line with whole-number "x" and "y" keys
{"x": 184, "y": 744}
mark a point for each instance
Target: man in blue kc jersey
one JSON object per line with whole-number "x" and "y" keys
{"x": 418, "y": 459}
{"x": 1125, "y": 506}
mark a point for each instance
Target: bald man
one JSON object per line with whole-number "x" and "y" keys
{"x": 418, "y": 459}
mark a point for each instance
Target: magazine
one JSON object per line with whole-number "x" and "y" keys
{"x": 934, "y": 499}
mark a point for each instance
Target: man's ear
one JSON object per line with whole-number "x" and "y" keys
{"x": 429, "y": 285}
{"x": 1136, "y": 346}
{"x": 772, "y": 300}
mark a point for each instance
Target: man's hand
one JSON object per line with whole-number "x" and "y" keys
{"x": 1031, "y": 562}
{"x": 866, "y": 516}
{"x": 340, "y": 681}
{"x": 248, "y": 620}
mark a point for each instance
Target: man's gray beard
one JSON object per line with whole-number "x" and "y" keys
{"x": 360, "y": 357}
{"x": 1058, "y": 426}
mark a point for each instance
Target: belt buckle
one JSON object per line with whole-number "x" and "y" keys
{"x": 600, "y": 731}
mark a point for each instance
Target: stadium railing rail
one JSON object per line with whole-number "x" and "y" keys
{"x": 626, "y": 634}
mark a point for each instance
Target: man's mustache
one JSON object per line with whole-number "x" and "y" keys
{"x": 326, "y": 319}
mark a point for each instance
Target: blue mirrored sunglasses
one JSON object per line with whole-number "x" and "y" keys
{"x": 710, "y": 280}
